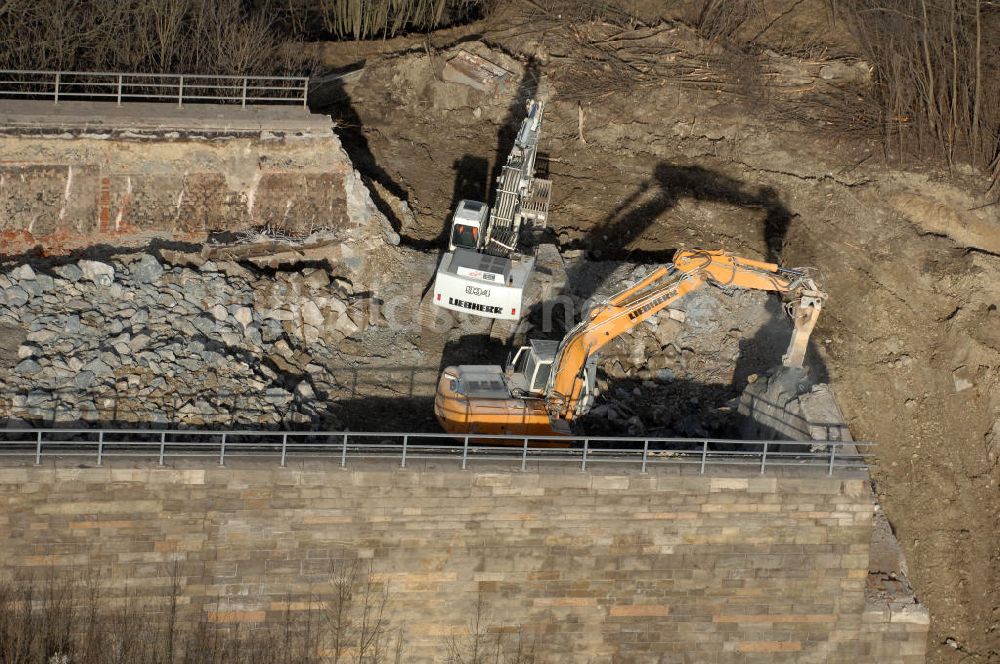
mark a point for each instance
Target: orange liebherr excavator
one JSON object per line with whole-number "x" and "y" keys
{"x": 547, "y": 384}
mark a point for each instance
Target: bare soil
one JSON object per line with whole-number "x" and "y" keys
{"x": 681, "y": 145}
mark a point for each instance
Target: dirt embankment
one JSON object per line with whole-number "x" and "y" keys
{"x": 654, "y": 144}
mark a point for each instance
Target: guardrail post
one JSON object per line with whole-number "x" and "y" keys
{"x": 343, "y": 453}
{"x": 833, "y": 454}
{"x": 704, "y": 455}
{"x": 180, "y": 91}
{"x": 465, "y": 452}
{"x": 402, "y": 459}
{"x": 100, "y": 447}
{"x": 305, "y": 93}
{"x": 586, "y": 448}
{"x": 163, "y": 445}
{"x": 120, "y": 89}
{"x": 645, "y": 455}
{"x": 763, "y": 458}
{"x": 222, "y": 451}
{"x": 58, "y": 74}
{"x": 524, "y": 456}
{"x": 38, "y": 449}
{"x": 244, "y": 101}
{"x": 284, "y": 448}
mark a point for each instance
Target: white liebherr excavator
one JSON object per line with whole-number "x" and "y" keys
{"x": 491, "y": 252}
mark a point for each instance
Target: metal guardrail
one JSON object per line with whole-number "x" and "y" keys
{"x": 345, "y": 446}
{"x": 179, "y": 88}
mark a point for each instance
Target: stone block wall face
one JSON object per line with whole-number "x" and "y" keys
{"x": 600, "y": 568}
{"x": 55, "y": 189}
{"x": 895, "y": 636}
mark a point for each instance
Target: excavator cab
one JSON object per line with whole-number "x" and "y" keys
{"x": 467, "y": 225}
{"x": 529, "y": 368}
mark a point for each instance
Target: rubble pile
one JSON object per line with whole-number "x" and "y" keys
{"x": 197, "y": 343}
{"x": 679, "y": 374}
{"x": 702, "y": 337}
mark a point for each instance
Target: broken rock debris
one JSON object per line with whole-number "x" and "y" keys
{"x": 135, "y": 340}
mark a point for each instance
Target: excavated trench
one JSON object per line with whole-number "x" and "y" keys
{"x": 665, "y": 378}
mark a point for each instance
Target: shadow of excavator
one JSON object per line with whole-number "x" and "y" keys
{"x": 609, "y": 242}
{"x": 669, "y": 183}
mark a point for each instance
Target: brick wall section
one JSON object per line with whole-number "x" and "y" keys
{"x": 606, "y": 568}
{"x": 32, "y": 196}
{"x": 59, "y": 189}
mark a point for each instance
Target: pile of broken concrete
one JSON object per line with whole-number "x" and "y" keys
{"x": 681, "y": 372}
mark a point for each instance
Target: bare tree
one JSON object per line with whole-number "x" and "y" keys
{"x": 170, "y": 36}
{"x": 357, "y": 627}
{"x": 487, "y": 643}
{"x": 930, "y": 63}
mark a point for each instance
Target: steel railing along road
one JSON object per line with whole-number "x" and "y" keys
{"x": 177, "y": 88}
{"x": 403, "y": 448}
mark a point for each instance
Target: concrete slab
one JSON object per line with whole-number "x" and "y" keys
{"x": 823, "y": 415}
{"x": 75, "y": 117}
{"x": 475, "y": 71}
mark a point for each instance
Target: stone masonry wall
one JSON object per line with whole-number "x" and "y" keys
{"x": 599, "y": 567}
{"x": 61, "y": 192}
{"x": 899, "y": 636}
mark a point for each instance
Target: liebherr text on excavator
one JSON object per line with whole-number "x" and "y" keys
{"x": 548, "y": 384}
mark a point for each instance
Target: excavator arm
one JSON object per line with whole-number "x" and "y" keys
{"x": 690, "y": 270}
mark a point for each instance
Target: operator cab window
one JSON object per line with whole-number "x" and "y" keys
{"x": 465, "y": 236}
{"x": 526, "y": 366}
{"x": 541, "y": 377}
